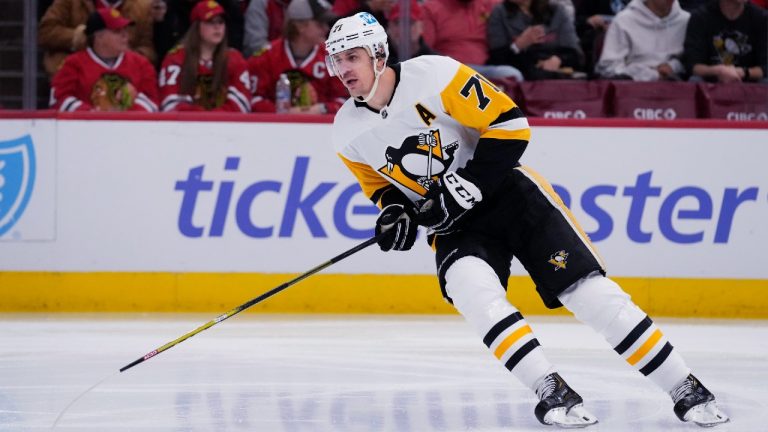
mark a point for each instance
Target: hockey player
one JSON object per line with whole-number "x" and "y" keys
{"x": 435, "y": 144}
{"x": 300, "y": 54}
{"x": 203, "y": 74}
{"x": 106, "y": 76}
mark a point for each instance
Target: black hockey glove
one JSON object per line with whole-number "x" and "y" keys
{"x": 447, "y": 201}
{"x": 397, "y": 221}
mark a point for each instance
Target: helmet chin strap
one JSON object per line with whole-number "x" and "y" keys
{"x": 377, "y": 74}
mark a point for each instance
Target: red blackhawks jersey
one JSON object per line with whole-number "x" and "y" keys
{"x": 85, "y": 82}
{"x": 234, "y": 97}
{"x": 310, "y": 81}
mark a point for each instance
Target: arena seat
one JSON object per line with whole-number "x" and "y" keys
{"x": 564, "y": 99}
{"x": 742, "y": 101}
{"x": 661, "y": 100}
{"x": 510, "y": 86}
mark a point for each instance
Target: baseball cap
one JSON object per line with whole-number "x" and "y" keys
{"x": 106, "y": 18}
{"x": 319, "y": 10}
{"x": 394, "y": 13}
{"x": 205, "y": 10}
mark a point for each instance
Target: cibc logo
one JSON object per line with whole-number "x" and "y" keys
{"x": 746, "y": 116}
{"x": 17, "y": 179}
{"x": 575, "y": 114}
{"x": 654, "y": 113}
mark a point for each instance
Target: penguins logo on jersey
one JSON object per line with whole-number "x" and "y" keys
{"x": 559, "y": 259}
{"x": 419, "y": 160}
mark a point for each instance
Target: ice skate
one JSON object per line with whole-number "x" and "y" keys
{"x": 694, "y": 403}
{"x": 561, "y": 406}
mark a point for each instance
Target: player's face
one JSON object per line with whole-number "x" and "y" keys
{"x": 355, "y": 70}
{"x": 213, "y": 31}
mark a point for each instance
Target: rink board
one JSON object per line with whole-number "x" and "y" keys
{"x": 189, "y": 213}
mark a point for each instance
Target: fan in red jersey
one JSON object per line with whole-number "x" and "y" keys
{"x": 203, "y": 73}
{"x": 300, "y": 54}
{"x": 106, "y": 76}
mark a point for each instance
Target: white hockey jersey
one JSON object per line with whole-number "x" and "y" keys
{"x": 441, "y": 116}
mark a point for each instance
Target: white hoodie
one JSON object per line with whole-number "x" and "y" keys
{"x": 638, "y": 41}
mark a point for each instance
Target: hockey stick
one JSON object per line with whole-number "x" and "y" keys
{"x": 253, "y": 301}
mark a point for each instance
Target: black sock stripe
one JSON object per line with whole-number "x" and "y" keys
{"x": 500, "y": 326}
{"x": 657, "y": 360}
{"x": 634, "y": 335}
{"x": 520, "y": 353}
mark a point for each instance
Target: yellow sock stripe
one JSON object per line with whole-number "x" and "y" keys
{"x": 643, "y": 350}
{"x": 556, "y": 201}
{"x": 511, "y": 339}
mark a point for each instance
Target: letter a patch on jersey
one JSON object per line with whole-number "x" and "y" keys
{"x": 425, "y": 114}
{"x": 420, "y": 159}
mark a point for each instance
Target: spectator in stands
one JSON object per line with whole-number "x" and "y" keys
{"x": 645, "y": 42}
{"x": 380, "y": 9}
{"x": 457, "y": 28}
{"x": 203, "y": 73}
{"x": 569, "y": 7}
{"x": 161, "y": 39}
{"x": 691, "y": 5}
{"x": 592, "y": 20}
{"x": 536, "y": 37}
{"x": 107, "y": 75}
{"x": 172, "y": 25}
{"x": 300, "y": 55}
{"x": 726, "y": 41}
{"x": 62, "y": 28}
{"x": 417, "y": 45}
{"x": 264, "y": 21}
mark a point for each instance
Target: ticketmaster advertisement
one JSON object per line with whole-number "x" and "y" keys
{"x": 173, "y": 196}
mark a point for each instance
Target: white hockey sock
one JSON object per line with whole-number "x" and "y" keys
{"x": 600, "y": 303}
{"x": 477, "y": 294}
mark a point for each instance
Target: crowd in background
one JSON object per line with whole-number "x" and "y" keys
{"x": 238, "y": 55}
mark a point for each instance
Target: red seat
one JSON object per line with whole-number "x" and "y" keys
{"x": 740, "y": 101}
{"x": 661, "y": 100}
{"x": 564, "y": 98}
{"x": 510, "y": 86}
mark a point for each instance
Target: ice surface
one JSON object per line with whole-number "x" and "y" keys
{"x": 346, "y": 373}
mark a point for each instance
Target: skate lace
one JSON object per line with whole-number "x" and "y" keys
{"x": 683, "y": 389}
{"x": 546, "y": 387}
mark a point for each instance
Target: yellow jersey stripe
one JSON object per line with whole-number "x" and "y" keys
{"x": 520, "y": 134}
{"x": 370, "y": 181}
{"x": 475, "y": 106}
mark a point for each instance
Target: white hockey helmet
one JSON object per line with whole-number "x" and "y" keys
{"x": 356, "y": 31}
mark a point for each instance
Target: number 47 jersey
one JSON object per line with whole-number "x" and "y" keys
{"x": 442, "y": 116}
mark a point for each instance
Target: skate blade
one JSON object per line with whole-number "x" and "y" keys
{"x": 577, "y": 417}
{"x": 706, "y": 415}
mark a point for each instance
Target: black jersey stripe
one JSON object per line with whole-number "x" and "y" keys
{"x": 520, "y": 353}
{"x": 634, "y": 335}
{"x": 657, "y": 360}
{"x": 512, "y": 114}
{"x": 500, "y": 326}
